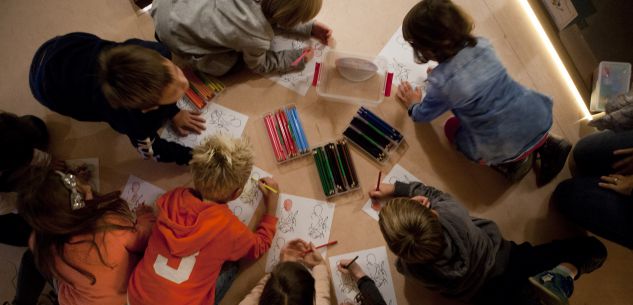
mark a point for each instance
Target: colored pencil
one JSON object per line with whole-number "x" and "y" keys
{"x": 303, "y": 54}
{"x": 284, "y": 136}
{"x": 351, "y": 262}
{"x": 303, "y": 134}
{"x": 272, "y": 137}
{"x": 334, "y": 242}
{"x": 347, "y": 166}
{"x": 322, "y": 177}
{"x": 350, "y": 163}
{"x": 291, "y": 139}
{"x": 378, "y": 122}
{"x": 365, "y": 128}
{"x": 265, "y": 185}
{"x": 378, "y": 183}
{"x": 328, "y": 170}
{"x": 372, "y": 150}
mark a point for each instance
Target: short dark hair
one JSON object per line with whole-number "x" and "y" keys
{"x": 289, "y": 283}
{"x": 133, "y": 77}
{"x": 439, "y": 26}
{"x": 17, "y": 148}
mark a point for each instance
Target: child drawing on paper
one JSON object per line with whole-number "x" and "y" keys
{"x": 401, "y": 72}
{"x": 288, "y": 221}
{"x": 347, "y": 268}
{"x": 376, "y": 270}
{"x": 347, "y": 284}
{"x": 249, "y": 195}
{"x": 318, "y": 225}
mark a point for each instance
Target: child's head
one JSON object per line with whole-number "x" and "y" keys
{"x": 134, "y": 77}
{"x": 59, "y": 206}
{"x": 290, "y": 13}
{"x": 437, "y": 30}
{"x": 221, "y": 166}
{"x": 289, "y": 283}
{"x": 17, "y": 148}
{"x": 411, "y": 230}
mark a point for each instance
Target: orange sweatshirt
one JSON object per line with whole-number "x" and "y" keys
{"x": 190, "y": 242}
{"x": 121, "y": 250}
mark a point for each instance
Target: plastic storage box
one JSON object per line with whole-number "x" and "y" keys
{"x": 610, "y": 79}
{"x": 350, "y": 78}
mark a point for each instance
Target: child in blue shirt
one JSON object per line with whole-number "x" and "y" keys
{"x": 497, "y": 121}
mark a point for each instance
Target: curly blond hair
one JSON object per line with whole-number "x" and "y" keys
{"x": 220, "y": 166}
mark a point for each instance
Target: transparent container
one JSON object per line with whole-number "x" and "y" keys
{"x": 352, "y": 78}
{"x": 610, "y": 79}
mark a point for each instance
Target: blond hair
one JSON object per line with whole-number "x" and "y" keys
{"x": 411, "y": 231}
{"x": 133, "y": 77}
{"x": 290, "y": 13}
{"x": 220, "y": 166}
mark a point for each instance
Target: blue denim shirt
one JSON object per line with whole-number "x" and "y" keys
{"x": 500, "y": 119}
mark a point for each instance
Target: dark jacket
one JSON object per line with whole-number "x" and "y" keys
{"x": 63, "y": 77}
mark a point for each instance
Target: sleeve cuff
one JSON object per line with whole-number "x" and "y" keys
{"x": 401, "y": 189}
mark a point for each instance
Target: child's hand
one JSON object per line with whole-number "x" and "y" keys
{"x": 270, "y": 198}
{"x": 354, "y": 269}
{"x": 294, "y": 250}
{"x": 321, "y": 32}
{"x": 385, "y": 191}
{"x": 408, "y": 95}
{"x": 186, "y": 121}
{"x": 313, "y": 258}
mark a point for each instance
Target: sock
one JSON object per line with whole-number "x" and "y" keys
{"x": 564, "y": 271}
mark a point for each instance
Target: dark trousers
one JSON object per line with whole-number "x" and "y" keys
{"x": 15, "y": 231}
{"x": 512, "y": 286}
{"x": 601, "y": 211}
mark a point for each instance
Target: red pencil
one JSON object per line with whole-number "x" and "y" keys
{"x": 378, "y": 183}
{"x": 272, "y": 139}
{"x": 334, "y": 242}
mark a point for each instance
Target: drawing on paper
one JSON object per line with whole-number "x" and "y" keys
{"x": 288, "y": 220}
{"x": 222, "y": 121}
{"x": 397, "y": 173}
{"x": 376, "y": 270}
{"x": 298, "y": 81}
{"x": 237, "y": 211}
{"x": 139, "y": 192}
{"x": 275, "y": 251}
{"x": 136, "y": 198}
{"x": 318, "y": 224}
{"x": 348, "y": 285}
{"x": 400, "y": 71}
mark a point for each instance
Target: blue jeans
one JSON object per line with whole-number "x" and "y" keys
{"x": 601, "y": 211}
{"x": 225, "y": 280}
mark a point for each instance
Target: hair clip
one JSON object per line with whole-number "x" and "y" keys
{"x": 76, "y": 198}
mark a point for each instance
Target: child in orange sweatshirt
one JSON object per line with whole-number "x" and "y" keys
{"x": 196, "y": 233}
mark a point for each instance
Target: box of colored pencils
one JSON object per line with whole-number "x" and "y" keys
{"x": 202, "y": 88}
{"x": 373, "y": 135}
{"x": 336, "y": 169}
{"x": 286, "y": 134}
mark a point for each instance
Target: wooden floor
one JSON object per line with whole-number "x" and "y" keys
{"x": 362, "y": 26}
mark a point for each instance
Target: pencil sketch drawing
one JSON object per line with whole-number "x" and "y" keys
{"x": 318, "y": 223}
{"x": 275, "y": 251}
{"x": 376, "y": 270}
{"x": 288, "y": 221}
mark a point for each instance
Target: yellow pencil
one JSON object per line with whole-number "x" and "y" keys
{"x": 266, "y": 186}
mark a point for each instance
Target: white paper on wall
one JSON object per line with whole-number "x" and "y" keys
{"x": 300, "y": 217}
{"x": 562, "y": 12}
{"x": 219, "y": 119}
{"x": 244, "y": 207}
{"x": 299, "y": 81}
{"x": 140, "y": 192}
{"x": 397, "y": 173}
{"x": 375, "y": 264}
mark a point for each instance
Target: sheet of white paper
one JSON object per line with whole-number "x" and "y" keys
{"x": 219, "y": 119}
{"x": 244, "y": 207}
{"x": 138, "y": 191}
{"x": 92, "y": 165}
{"x": 397, "y": 173}
{"x": 375, "y": 264}
{"x": 300, "y": 217}
{"x": 299, "y": 81}
{"x": 562, "y": 12}
{"x": 400, "y": 56}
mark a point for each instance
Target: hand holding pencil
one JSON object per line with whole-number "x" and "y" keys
{"x": 350, "y": 267}
{"x": 270, "y": 190}
{"x": 385, "y": 190}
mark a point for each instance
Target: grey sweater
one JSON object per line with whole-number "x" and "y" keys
{"x": 475, "y": 250}
{"x": 212, "y": 34}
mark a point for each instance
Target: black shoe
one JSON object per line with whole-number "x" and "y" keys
{"x": 590, "y": 255}
{"x": 515, "y": 171}
{"x": 551, "y": 159}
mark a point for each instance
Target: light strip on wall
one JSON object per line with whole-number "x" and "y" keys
{"x": 557, "y": 61}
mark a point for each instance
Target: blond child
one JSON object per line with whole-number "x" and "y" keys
{"x": 197, "y": 234}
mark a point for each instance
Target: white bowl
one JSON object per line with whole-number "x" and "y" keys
{"x": 355, "y": 69}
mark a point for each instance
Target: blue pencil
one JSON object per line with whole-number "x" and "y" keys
{"x": 295, "y": 130}
{"x": 375, "y": 120}
{"x": 303, "y": 134}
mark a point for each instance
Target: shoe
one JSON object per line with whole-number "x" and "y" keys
{"x": 552, "y": 288}
{"x": 551, "y": 159}
{"x": 590, "y": 254}
{"x": 515, "y": 171}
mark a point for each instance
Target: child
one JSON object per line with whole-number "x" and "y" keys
{"x": 212, "y": 35}
{"x": 87, "y": 244}
{"x": 497, "y": 121}
{"x": 300, "y": 279}
{"x": 439, "y": 243}
{"x": 133, "y": 86}
{"x": 197, "y": 233}
{"x": 24, "y": 141}
{"x": 369, "y": 293}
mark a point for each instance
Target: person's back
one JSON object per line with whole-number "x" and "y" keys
{"x": 196, "y": 232}
{"x": 500, "y": 118}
